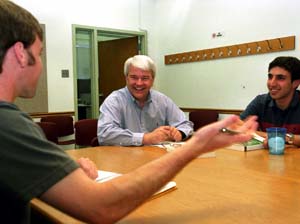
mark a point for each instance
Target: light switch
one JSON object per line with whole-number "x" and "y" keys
{"x": 65, "y": 73}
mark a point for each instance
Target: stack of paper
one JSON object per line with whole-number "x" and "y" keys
{"x": 106, "y": 175}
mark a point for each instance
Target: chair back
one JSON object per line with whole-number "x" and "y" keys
{"x": 85, "y": 131}
{"x": 65, "y": 128}
{"x": 203, "y": 117}
{"x": 50, "y": 130}
{"x": 64, "y": 123}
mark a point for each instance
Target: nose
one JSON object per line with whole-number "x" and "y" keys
{"x": 139, "y": 81}
{"x": 272, "y": 81}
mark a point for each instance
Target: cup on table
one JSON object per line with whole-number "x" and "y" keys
{"x": 276, "y": 140}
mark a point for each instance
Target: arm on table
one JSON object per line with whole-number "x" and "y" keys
{"x": 108, "y": 202}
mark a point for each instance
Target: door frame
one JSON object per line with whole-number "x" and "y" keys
{"x": 97, "y": 32}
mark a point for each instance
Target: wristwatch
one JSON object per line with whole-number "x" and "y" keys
{"x": 290, "y": 138}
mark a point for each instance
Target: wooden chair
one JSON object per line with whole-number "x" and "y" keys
{"x": 85, "y": 132}
{"x": 65, "y": 128}
{"x": 42, "y": 212}
{"x": 50, "y": 130}
{"x": 203, "y": 117}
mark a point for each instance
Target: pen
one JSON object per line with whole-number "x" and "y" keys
{"x": 234, "y": 132}
{"x": 229, "y": 131}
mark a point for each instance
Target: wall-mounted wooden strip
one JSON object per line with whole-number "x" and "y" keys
{"x": 257, "y": 47}
{"x": 40, "y": 115}
{"x": 220, "y": 111}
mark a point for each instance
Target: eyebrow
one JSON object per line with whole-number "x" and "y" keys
{"x": 270, "y": 74}
{"x": 142, "y": 76}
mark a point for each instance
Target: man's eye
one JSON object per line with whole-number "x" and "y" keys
{"x": 280, "y": 77}
{"x": 133, "y": 77}
{"x": 145, "y": 78}
{"x": 270, "y": 76}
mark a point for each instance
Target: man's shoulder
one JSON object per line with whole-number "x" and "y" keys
{"x": 265, "y": 97}
{"x": 156, "y": 93}
{"x": 9, "y": 109}
{"x": 7, "y": 105}
{"x": 119, "y": 93}
{"x": 297, "y": 94}
{"x": 161, "y": 98}
{"x": 117, "y": 98}
{"x": 15, "y": 122}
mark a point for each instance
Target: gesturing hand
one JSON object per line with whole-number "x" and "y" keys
{"x": 210, "y": 138}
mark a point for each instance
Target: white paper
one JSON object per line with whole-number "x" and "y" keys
{"x": 170, "y": 146}
{"x": 104, "y": 175}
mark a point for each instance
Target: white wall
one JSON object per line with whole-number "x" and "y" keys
{"x": 58, "y": 16}
{"x": 174, "y": 26}
{"x": 182, "y": 26}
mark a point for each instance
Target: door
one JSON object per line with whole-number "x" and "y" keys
{"x": 111, "y": 45}
{"x": 85, "y": 73}
{"x": 111, "y": 55}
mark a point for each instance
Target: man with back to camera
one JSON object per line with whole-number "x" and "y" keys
{"x": 33, "y": 167}
{"x": 139, "y": 115}
{"x": 281, "y": 106}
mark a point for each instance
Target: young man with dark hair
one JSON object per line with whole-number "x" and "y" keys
{"x": 281, "y": 106}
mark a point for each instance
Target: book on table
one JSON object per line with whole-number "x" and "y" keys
{"x": 250, "y": 145}
{"x": 104, "y": 175}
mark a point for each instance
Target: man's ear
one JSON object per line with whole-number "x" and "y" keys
{"x": 20, "y": 53}
{"x": 296, "y": 83}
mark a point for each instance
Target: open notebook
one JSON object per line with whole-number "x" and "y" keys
{"x": 107, "y": 175}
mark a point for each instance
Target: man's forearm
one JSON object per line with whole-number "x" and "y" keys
{"x": 118, "y": 136}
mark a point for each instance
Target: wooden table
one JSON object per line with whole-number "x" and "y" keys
{"x": 233, "y": 187}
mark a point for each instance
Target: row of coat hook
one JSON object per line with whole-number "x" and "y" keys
{"x": 258, "y": 47}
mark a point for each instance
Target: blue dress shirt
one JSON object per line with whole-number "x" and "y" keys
{"x": 123, "y": 122}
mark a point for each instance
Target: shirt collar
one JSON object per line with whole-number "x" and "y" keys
{"x": 295, "y": 99}
{"x": 294, "y": 102}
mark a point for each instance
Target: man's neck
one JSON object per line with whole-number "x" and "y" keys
{"x": 285, "y": 102}
{"x": 6, "y": 94}
{"x": 141, "y": 103}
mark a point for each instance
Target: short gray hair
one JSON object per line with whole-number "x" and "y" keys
{"x": 143, "y": 62}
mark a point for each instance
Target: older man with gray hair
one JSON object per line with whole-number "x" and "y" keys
{"x": 139, "y": 115}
